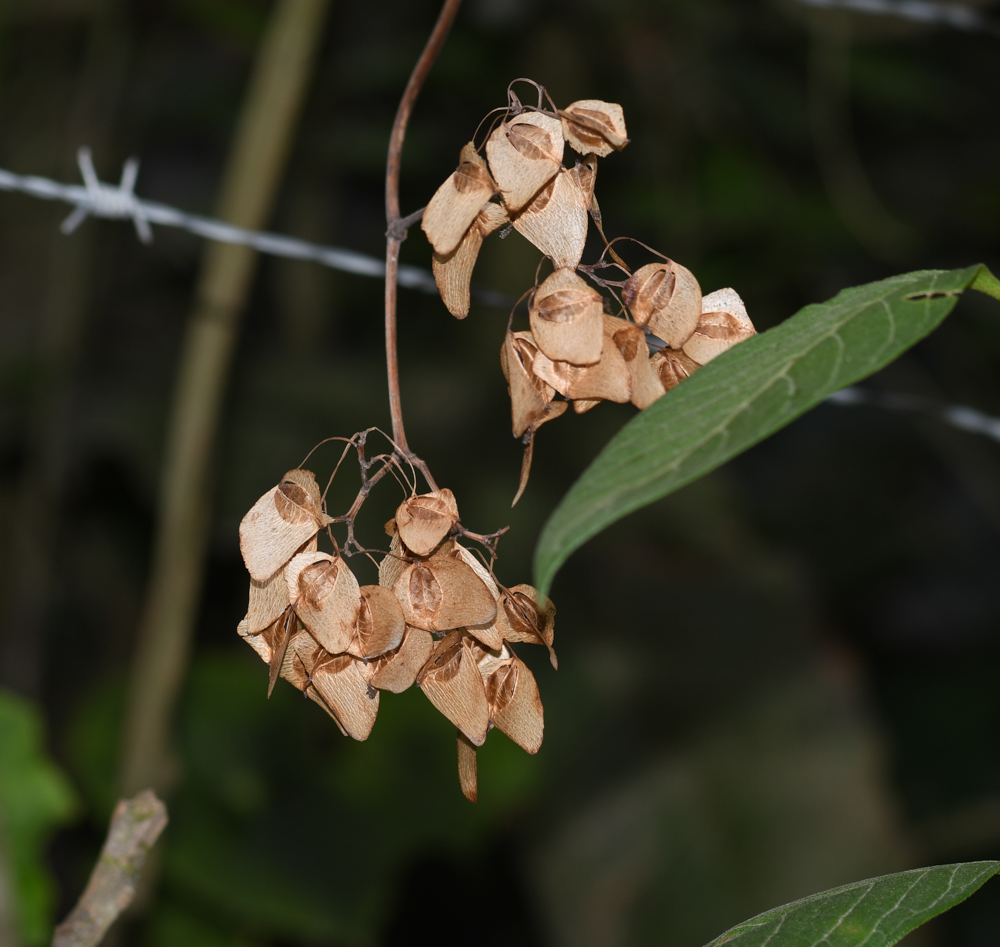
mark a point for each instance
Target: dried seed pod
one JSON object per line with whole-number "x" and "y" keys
{"x": 301, "y": 657}
{"x": 566, "y": 319}
{"x": 441, "y": 594}
{"x": 380, "y": 623}
{"x": 467, "y": 776}
{"x": 645, "y": 382}
{"x": 529, "y": 395}
{"x": 515, "y": 704}
{"x": 531, "y": 618}
{"x": 489, "y": 633}
{"x": 400, "y": 669}
{"x": 583, "y": 405}
{"x": 452, "y": 683}
{"x": 672, "y": 367}
{"x": 666, "y": 298}
{"x": 453, "y": 271}
{"x": 326, "y": 597}
{"x": 341, "y": 683}
{"x": 423, "y": 521}
{"x": 723, "y": 323}
{"x": 269, "y": 599}
{"x": 555, "y": 220}
{"x": 524, "y": 155}
{"x": 456, "y": 203}
{"x": 280, "y": 522}
{"x": 394, "y": 563}
{"x": 592, "y": 126}
{"x": 608, "y": 380}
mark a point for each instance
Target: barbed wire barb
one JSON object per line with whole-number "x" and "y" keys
{"x": 103, "y": 200}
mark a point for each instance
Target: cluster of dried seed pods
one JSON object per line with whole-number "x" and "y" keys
{"x": 575, "y": 351}
{"x": 437, "y": 619}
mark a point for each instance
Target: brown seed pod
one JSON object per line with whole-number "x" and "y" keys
{"x": 340, "y": 683}
{"x": 566, "y": 319}
{"x": 380, "y": 623}
{"x": 530, "y": 618}
{"x": 555, "y": 220}
{"x": 723, "y": 323}
{"x": 423, "y": 521}
{"x": 326, "y": 597}
{"x": 394, "y": 563}
{"x": 453, "y": 271}
{"x": 666, "y": 298}
{"x": 524, "y": 155}
{"x": 608, "y": 380}
{"x": 269, "y": 599}
{"x": 301, "y": 658}
{"x": 455, "y": 204}
{"x": 583, "y": 405}
{"x": 645, "y": 382}
{"x": 529, "y": 395}
{"x": 440, "y": 594}
{"x": 281, "y": 521}
{"x": 467, "y": 775}
{"x": 399, "y": 670}
{"x": 592, "y": 126}
{"x": 515, "y": 704}
{"x": 672, "y": 367}
{"x": 489, "y": 633}
{"x": 452, "y": 683}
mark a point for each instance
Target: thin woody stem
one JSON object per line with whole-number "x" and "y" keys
{"x": 394, "y": 239}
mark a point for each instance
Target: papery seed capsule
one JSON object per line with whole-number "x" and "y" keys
{"x": 400, "y": 668}
{"x": 608, "y": 380}
{"x": 555, "y": 220}
{"x": 529, "y": 395}
{"x": 666, "y": 299}
{"x": 723, "y": 323}
{"x": 567, "y": 319}
{"x": 423, "y": 521}
{"x": 672, "y": 367}
{"x": 340, "y": 685}
{"x": 515, "y": 704}
{"x": 593, "y": 126}
{"x": 451, "y": 681}
{"x": 530, "y": 617}
{"x": 440, "y": 594}
{"x": 524, "y": 154}
{"x": 455, "y": 204}
{"x": 645, "y": 381}
{"x": 380, "y": 623}
{"x": 326, "y": 597}
{"x": 453, "y": 271}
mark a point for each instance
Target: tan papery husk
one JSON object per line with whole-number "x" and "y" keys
{"x": 529, "y": 395}
{"x": 400, "y": 670}
{"x": 424, "y": 521}
{"x": 567, "y": 319}
{"x": 443, "y": 593}
{"x": 724, "y": 322}
{"x": 666, "y": 299}
{"x": 281, "y": 521}
{"x": 269, "y": 599}
{"x": 608, "y": 380}
{"x": 672, "y": 367}
{"x": 645, "y": 382}
{"x": 530, "y": 617}
{"x": 451, "y": 681}
{"x": 468, "y": 777}
{"x": 555, "y": 220}
{"x": 515, "y": 704}
{"x": 341, "y": 683}
{"x": 453, "y": 271}
{"x": 326, "y": 597}
{"x": 593, "y": 126}
{"x": 456, "y": 203}
{"x": 524, "y": 154}
{"x": 380, "y": 625}
{"x": 489, "y": 633}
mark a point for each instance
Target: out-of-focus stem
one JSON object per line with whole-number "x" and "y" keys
{"x": 394, "y": 235}
{"x": 253, "y": 173}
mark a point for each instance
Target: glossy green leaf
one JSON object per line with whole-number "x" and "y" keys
{"x": 748, "y": 393}
{"x": 874, "y": 913}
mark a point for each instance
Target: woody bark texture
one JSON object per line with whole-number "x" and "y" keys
{"x": 135, "y": 827}
{"x": 253, "y": 174}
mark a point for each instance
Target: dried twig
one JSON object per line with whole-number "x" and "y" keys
{"x": 394, "y": 234}
{"x": 135, "y": 827}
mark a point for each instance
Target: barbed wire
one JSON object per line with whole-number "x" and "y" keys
{"x": 119, "y": 202}
{"x": 956, "y": 15}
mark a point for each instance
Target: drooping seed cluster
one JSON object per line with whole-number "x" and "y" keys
{"x": 575, "y": 352}
{"x": 437, "y": 618}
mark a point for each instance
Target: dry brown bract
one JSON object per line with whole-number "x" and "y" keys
{"x": 452, "y": 683}
{"x": 456, "y": 203}
{"x": 326, "y": 597}
{"x": 723, "y": 323}
{"x": 453, "y": 271}
{"x": 281, "y": 521}
{"x": 666, "y": 299}
{"x": 524, "y": 155}
{"x": 515, "y": 705}
{"x": 440, "y": 594}
{"x": 673, "y": 367}
{"x": 594, "y": 127}
{"x": 423, "y": 521}
{"x": 567, "y": 319}
{"x": 556, "y": 220}
{"x": 608, "y": 380}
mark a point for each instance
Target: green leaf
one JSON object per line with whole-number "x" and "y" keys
{"x": 748, "y": 393}
{"x": 876, "y": 913}
{"x": 35, "y": 799}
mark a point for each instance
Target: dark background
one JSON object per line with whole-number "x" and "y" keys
{"x": 780, "y": 679}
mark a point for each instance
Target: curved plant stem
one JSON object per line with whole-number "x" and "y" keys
{"x": 396, "y": 234}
